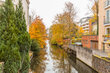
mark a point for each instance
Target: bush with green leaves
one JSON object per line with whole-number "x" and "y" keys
{"x": 35, "y": 46}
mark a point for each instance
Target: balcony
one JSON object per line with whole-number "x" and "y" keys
{"x": 107, "y": 4}
{"x": 106, "y": 38}
{"x": 84, "y": 26}
{"x": 87, "y": 28}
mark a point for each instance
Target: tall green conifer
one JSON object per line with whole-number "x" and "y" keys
{"x": 24, "y": 38}
{"x": 9, "y": 48}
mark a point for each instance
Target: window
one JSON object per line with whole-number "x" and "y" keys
{"x": 108, "y": 2}
{"x": 108, "y": 30}
{"x": 108, "y": 16}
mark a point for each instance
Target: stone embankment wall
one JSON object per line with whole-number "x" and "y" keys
{"x": 83, "y": 54}
{"x": 95, "y": 59}
{"x": 102, "y": 65}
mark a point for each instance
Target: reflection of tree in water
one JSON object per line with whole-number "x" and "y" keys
{"x": 61, "y": 64}
{"x": 37, "y": 62}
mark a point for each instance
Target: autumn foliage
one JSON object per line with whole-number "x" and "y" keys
{"x": 64, "y": 27}
{"x": 80, "y": 32}
{"x": 37, "y": 31}
{"x": 56, "y": 34}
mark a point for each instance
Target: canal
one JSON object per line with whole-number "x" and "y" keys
{"x": 53, "y": 59}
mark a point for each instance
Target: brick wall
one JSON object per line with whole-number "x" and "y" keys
{"x": 86, "y": 40}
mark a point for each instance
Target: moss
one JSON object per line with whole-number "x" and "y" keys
{"x": 102, "y": 58}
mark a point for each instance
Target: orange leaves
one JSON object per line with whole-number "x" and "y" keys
{"x": 37, "y": 31}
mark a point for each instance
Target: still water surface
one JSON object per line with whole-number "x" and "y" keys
{"x": 56, "y": 60}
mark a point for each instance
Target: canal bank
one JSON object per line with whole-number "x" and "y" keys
{"x": 80, "y": 66}
{"x": 97, "y": 60}
{"x": 58, "y": 61}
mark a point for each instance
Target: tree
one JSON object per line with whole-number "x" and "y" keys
{"x": 93, "y": 22}
{"x": 37, "y": 31}
{"x": 57, "y": 34}
{"x": 95, "y": 12}
{"x": 33, "y": 15}
{"x": 69, "y": 9}
{"x": 24, "y": 40}
{"x": 67, "y": 20}
{"x": 9, "y": 48}
{"x": 80, "y": 32}
{"x": 15, "y": 40}
{"x": 35, "y": 47}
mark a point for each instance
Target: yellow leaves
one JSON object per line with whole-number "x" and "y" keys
{"x": 80, "y": 32}
{"x": 57, "y": 34}
{"x": 60, "y": 33}
{"x": 93, "y": 19}
{"x": 73, "y": 38}
{"x": 64, "y": 28}
{"x": 37, "y": 31}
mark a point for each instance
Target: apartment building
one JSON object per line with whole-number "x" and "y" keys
{"x": 25, "y": 9}
{"x": 104, "y": 24}
{"x": 84, "y": 23}
{"x": 85, "y": 26}
{"x": 107, "y": 24}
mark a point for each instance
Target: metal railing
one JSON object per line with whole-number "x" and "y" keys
{"x": 106, "y": 37}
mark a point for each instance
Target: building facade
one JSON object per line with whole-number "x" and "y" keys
{"x": 107, "y": 24}
{"x": 104, "y": 24}
{"x": 25, "y": 4}
{"x": 85, "y": 26}
{"x": 84, "y": 23}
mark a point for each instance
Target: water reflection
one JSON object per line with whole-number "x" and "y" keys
{"x": 57, "y": 61}
{"x": 38, "y": 62}
{"x": 61, "y": 63}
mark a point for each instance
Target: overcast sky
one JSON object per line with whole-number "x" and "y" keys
{"x": 47, "y": 9}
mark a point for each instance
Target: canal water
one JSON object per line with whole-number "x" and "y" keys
{"x": 56, "y": 60}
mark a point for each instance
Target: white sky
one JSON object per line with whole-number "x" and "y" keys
{"x": 47, "y": 9}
